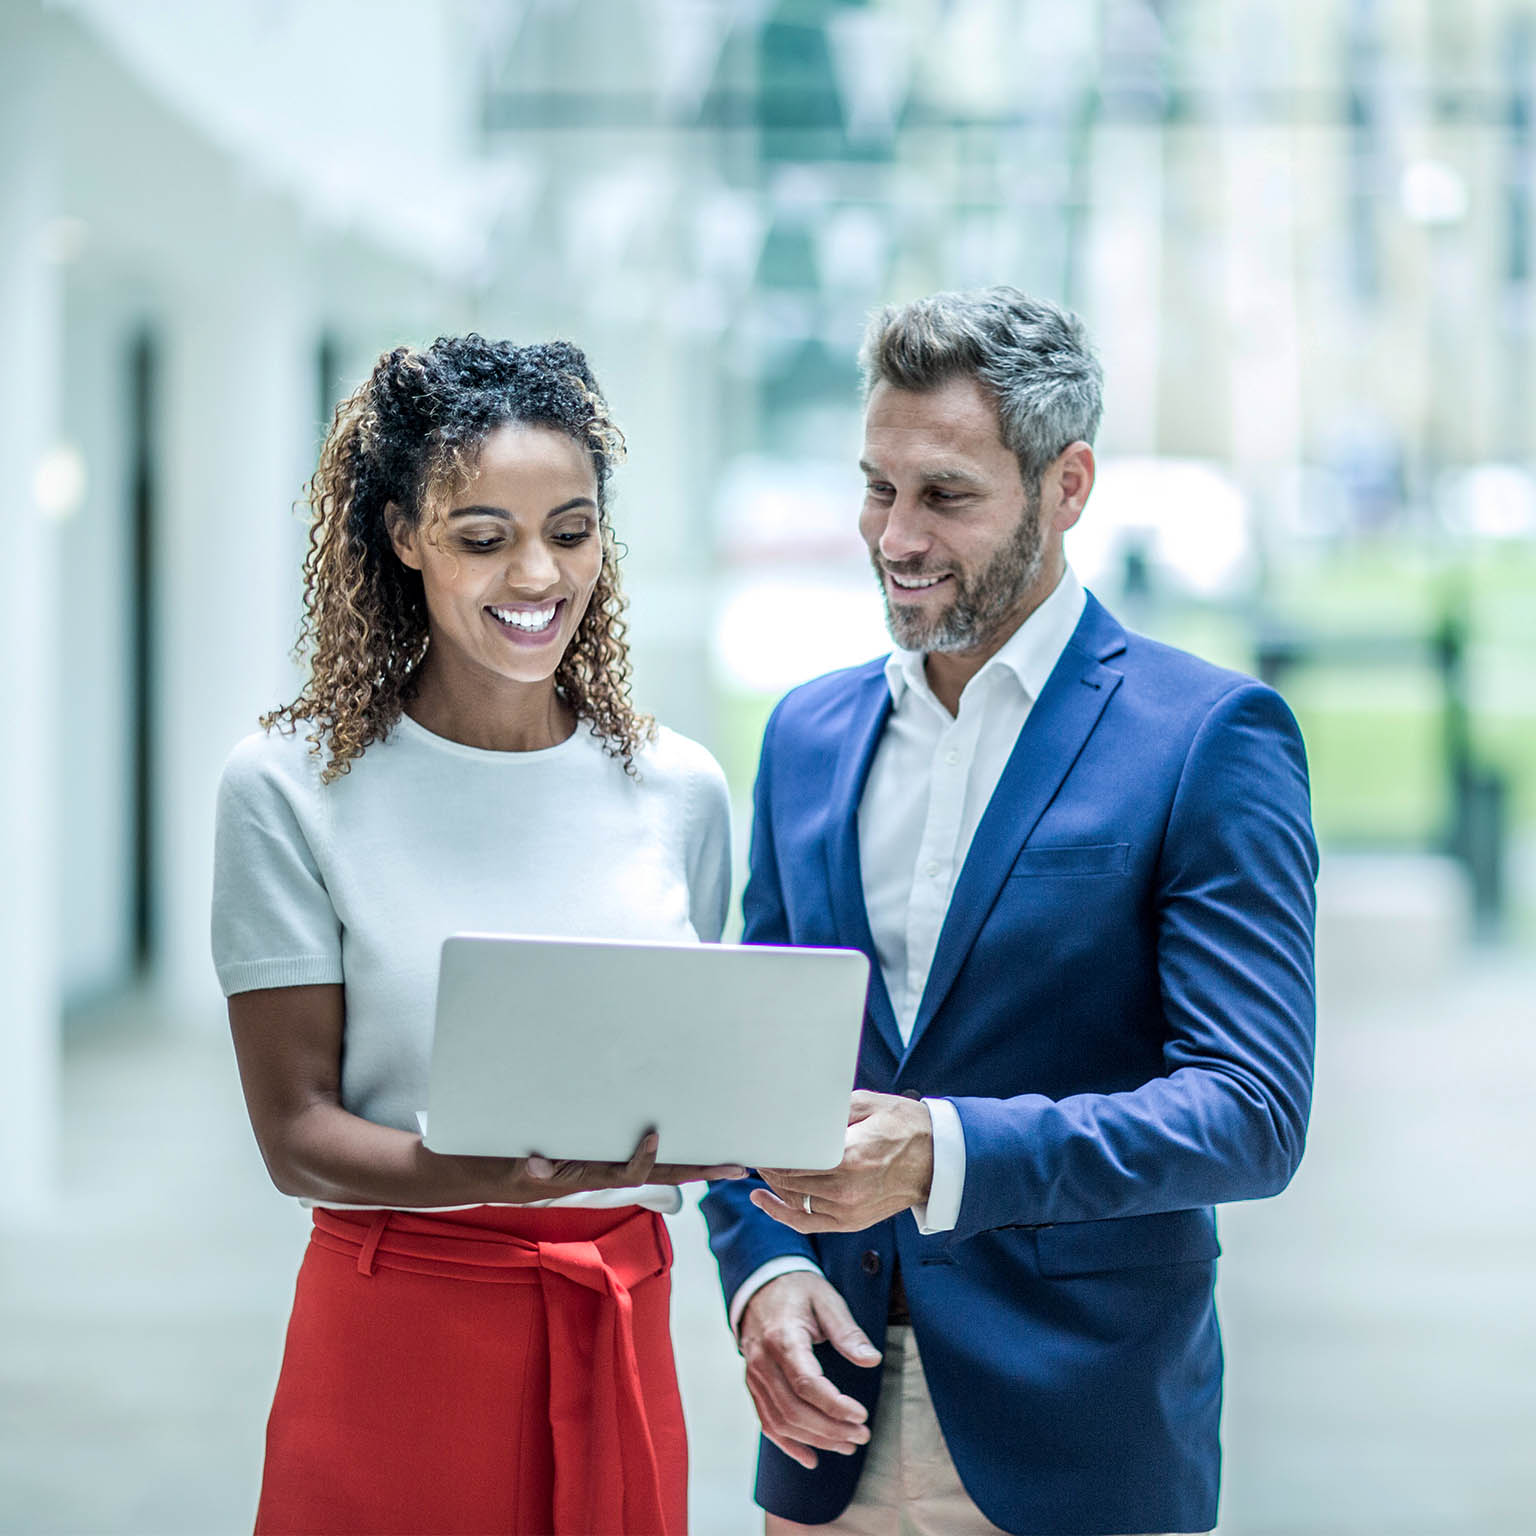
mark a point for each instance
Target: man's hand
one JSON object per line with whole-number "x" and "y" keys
{"x": 887, "y": 1167}
{"x": 800, "y": 1410}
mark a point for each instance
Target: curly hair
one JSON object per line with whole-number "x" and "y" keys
{"x": 408, "y": 436}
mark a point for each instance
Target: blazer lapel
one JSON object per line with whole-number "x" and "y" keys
{"x": 1059, "y": 723}
{"x": 868, "y": 711}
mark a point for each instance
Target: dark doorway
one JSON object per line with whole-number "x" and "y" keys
{"x": 143, "y": 367}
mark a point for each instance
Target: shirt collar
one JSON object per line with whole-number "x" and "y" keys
{"x": 1030, "y": 653}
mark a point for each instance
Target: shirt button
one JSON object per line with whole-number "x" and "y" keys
{"x": 951, "y": 757}
{"x": 869, "y": 1262}
{"x": 931, "y": 869}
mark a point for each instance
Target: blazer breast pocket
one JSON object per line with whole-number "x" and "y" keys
{"x": 1092, "y": 859}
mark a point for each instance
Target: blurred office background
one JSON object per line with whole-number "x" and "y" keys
{"x": 1303, "y": 233}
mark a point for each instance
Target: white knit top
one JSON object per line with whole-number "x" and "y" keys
{"x": 360, "y": 881}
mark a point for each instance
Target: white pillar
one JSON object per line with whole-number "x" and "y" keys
{"x": 1264, "y": 352}
{"x": 1124, "y": 279}
{"x": 31, "y": 314}
{"x": 238, "y": 423}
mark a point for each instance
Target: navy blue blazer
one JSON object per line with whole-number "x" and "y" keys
{"x": 1121, "y": 1009}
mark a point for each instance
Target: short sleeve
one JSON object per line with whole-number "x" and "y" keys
{"x": 273, "y": 922}
{"x": 709, "y": 850}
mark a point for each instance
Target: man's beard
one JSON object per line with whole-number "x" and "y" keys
{"x": 980, "y": 602}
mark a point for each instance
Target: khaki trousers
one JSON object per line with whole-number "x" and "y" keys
{"x": 909, "y": 1486}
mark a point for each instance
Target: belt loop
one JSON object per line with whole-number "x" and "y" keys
{"x": 371, "y": 1242}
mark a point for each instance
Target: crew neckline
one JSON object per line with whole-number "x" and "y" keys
{"x": 418, "y": 732}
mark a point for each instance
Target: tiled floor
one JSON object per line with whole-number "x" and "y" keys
{"x": 1379, "y": 1317}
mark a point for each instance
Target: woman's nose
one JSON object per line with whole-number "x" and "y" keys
{"x": 533, "y": 569}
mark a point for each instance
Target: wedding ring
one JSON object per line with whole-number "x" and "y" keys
{"x": 805, "y": 1201}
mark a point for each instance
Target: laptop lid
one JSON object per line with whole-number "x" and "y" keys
{"x": 572, "y": 1048}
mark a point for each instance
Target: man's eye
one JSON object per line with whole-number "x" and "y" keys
{"x": 879, "y": 490}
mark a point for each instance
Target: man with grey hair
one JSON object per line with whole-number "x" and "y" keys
{"x": 1082, "y": 866}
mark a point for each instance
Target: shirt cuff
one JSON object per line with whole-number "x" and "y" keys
{"x": 942, "y": 1210}
{"x": 785, "y": 1264}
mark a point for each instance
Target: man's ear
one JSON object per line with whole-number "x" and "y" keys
{"x": 1071, "y": 478}
{"x": 402, "y": 536}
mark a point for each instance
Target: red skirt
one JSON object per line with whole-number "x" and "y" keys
{"x": 490, "y": 1370}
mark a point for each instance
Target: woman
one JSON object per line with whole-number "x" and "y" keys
{"x": 456, "y": 1360}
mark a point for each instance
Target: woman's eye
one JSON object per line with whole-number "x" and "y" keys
{"x": 481, "y": 544}
{"x": 576, "y": 536}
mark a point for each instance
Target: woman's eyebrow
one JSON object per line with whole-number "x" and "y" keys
{"x": 505, "y": 516}
{"x": 500, "y": 512}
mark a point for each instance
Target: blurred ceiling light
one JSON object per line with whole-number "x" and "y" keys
{"x": 728, "y": 232}
{"x": 852, "y": 250}
{"x": 688, "y": 36}
{"x": 64, "y": 240}
{"x": 1491, "y": 501}
{"x": 872, "y": 57}
{"x": 608, "y": 212}
{"x": 1433, "y": 193}
{"x": 58, "y": 483}
{"x": 967, "y": 60}
{"x": 771, "y": 634}
{"x": 801, "y": 191}
{"x": 1185, "y": 518}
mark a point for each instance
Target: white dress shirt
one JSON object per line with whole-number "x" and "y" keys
{"x": 931, "y": 779}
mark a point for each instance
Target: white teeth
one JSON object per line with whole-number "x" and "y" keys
{"x": 530, "y": 619}
{"x": 915, "y": 584}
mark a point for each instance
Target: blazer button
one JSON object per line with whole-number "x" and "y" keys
{"x": 870, "y": 1262}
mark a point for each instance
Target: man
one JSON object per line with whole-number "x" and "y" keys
{"x": 1082, "y": 865}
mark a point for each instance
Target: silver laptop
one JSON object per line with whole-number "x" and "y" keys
{"x": 572, "y": 1048}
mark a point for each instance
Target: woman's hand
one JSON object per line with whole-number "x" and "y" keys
{"x": 288, "y": 1045}
{"x": 553, "y": 1179}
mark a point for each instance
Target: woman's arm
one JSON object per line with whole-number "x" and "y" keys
{"x": 288, "y": 1046}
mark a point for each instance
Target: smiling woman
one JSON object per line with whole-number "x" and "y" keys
{"x": 472, "y": 762}
{"x": 508, "y": 569}
{"x": 433, "y": 457}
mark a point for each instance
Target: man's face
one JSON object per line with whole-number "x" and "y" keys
{"x": 955, "y": 536}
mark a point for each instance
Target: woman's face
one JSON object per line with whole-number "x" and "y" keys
{"x": 510, "y": 562}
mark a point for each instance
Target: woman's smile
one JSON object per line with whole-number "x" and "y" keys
{"x": 527, "y": 623}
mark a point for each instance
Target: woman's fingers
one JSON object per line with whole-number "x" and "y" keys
{"x": 690, "y": 1173}
{"x": 642, "y": 1168}
{"x": 638, "y": 1169}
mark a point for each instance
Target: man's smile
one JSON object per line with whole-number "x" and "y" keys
{"x": 914, "y": 583}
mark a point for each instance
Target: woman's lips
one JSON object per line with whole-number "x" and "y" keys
{"x": 527, "y": 623}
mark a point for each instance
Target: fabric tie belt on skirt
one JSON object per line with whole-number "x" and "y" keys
{"x": 606, "y": 1476}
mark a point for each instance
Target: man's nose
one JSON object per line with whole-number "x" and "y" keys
{"x": 905, "y": 535}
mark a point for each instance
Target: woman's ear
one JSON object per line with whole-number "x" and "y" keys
{"x": 402, "y": 536}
